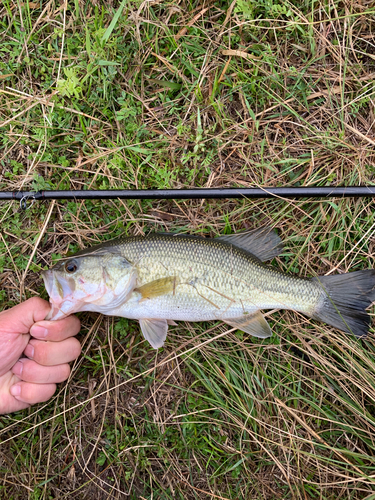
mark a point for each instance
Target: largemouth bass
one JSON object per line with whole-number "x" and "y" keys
{"x": 162, "y": 278}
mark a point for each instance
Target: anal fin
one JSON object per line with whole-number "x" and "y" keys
{"x": 254, "y": 324}
{"x": 154, "y": 331}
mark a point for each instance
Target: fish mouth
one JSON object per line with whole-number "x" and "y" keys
{"x": 48, "y": 280}
{"x": 58, "y": 288}
{"x": 60, "y": 295}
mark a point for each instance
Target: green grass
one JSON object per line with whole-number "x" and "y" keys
{"x": 117, "y": 95}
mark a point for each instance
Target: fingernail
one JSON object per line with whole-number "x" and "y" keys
{"x": 18, "y": 368}
{"x": 29, "y": 351}
{"x": 15, "y": 390}
{"x": 38, "y": 331}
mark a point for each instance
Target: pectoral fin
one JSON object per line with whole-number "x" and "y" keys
{"x": 158, "y": 287}
{"x": 255, "y": 324}
{"x": 155, "y": 331}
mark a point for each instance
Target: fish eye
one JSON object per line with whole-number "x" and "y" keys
{"x": 71, "y": 267}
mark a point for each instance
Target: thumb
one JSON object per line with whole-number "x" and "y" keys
{"x": 20, "y": 318}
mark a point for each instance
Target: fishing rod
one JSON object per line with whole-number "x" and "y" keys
{"x": 198, "y": 193}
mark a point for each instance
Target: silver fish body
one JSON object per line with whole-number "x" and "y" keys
{"x": 213, "y": 280}
{"x": 163, "y": 277}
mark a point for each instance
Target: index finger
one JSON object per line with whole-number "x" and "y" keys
{"x": 55, "y": 331}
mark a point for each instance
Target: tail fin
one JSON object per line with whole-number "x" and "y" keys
{"x": 346, "y": 300}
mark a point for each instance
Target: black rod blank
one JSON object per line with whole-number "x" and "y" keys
{"x": 199, "y": 193}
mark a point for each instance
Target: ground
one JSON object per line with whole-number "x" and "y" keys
{"x": 172, "y": 94}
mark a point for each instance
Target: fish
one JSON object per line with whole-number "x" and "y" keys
{"x": 159, "y": 279}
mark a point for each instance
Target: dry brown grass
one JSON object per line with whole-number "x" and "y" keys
{"x": 214, "y": 94}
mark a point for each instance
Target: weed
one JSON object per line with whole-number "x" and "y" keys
{"x": 108, "y": 95}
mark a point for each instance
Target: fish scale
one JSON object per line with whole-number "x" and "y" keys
{"x": 164, "y": 277}
{"x": 216, "y": 280}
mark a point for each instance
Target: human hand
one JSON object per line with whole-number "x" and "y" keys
{"x": 49, "y": 347}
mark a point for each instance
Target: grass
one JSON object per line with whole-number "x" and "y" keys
{"x": 180, "y": 94}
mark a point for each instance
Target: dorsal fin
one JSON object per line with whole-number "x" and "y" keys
{"x": 263, "y": 242}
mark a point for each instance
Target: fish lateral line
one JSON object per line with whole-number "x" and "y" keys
{"x": 219, "y": 293}
{"x": 203, "y": 297}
